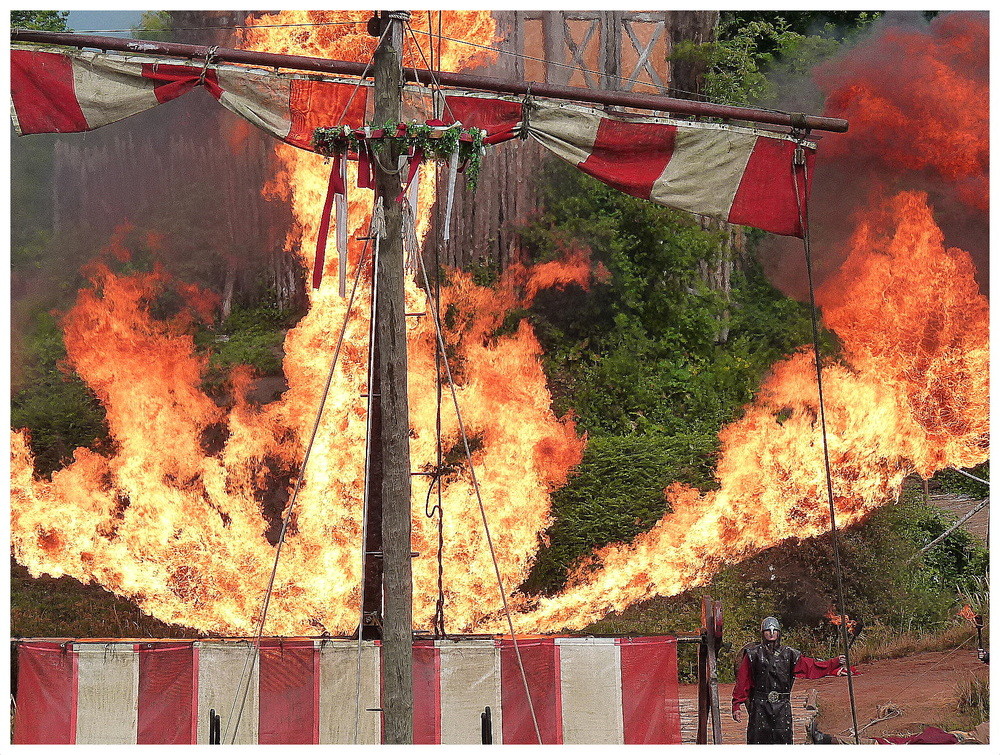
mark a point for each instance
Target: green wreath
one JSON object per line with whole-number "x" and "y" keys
{"x": 435, "y": 143}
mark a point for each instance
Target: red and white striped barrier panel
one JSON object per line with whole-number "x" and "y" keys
{"x": 584, "y": 690}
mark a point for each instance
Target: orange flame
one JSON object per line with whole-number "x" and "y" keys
{"x": 968, "y": 614}
{"x": 836, "y": 619}
{"x": 179, "y": 515}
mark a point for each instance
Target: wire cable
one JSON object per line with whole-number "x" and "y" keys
{"x": 803, "y": 212}
{"x": 479, "y": 499}
{"x": 247, "y": 672}
{"x": 376, "y": 232}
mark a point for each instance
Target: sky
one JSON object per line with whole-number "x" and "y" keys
{"x": 102, "y": 20}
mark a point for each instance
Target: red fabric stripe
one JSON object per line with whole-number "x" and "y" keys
{"x": 541, "y": 666}
{"x": 176, "y": 80}
{"x": 46, "y": 694}
{"x": 366, "y": 173}
{"x": 42, "y": 90}
{"x": 287, "y": 693}
{"x": 426, "y": 693}
{"x": 167, "y": 694}
{"x": 766, "y": 196}
{"x": 315, "y": 104}
{"x": 496, "y": 117}
{"x": 630, "y": 156}
{"x": 650, "y": 711}
{"x": 324, "y": 221}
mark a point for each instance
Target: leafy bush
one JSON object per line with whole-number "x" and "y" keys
{"x": 56, "y": 406}
{"x": 641, "y": 352}
{"x": 958, "y": 483}
{"x": 616, "y": 493}
{"x": 250, "y": 335}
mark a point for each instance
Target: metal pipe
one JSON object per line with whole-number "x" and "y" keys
{"x": 462, "y": 80}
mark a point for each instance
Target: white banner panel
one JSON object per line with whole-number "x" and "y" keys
{"x": 222, "y": 685}
{"x": 341, "y": 710}
{"x": 591, "y": 677}
{"x": 107, "y": 694}
{"x": 470, "y": 681}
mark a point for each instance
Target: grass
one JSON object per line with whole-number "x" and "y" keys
{"x": 63, "y": 607}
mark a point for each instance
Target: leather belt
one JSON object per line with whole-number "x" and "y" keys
{"x": 774, "y": 696}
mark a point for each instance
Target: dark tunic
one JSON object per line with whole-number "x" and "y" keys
{"x": 764, "y": 682}
{"x": 770, "y": 704}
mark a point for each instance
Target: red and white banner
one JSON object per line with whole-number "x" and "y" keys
{"x": 65, "y": 92}
{"x": 583, "y": 691}
{"x": 740, "y": 175}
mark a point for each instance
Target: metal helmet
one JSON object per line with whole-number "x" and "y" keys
{"x": 770, "y": 623}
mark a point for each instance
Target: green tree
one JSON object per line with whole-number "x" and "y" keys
{"x": 42, "y": 20}
{"x": 156, "y": 25}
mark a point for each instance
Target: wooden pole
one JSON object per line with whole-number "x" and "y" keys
{"x": 715, "y": 640}
{"x": 397, "y": 588}
{"x": 704, "y": 694}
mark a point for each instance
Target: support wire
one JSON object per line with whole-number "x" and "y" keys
{"x": 254, "y": 650}
{"x": 799, "y": 160}
{"x": 479, "y": 499}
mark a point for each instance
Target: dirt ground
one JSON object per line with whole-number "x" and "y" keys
{"x": 922, "y": 687}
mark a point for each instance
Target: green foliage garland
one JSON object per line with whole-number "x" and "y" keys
{"x": 433, "y": 142}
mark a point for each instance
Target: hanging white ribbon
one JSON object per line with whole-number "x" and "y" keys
{"x": 452, "y": 176}
{"x": 341, "y": 205}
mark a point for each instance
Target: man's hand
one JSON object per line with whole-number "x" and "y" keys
{"x": 737, "y": 714}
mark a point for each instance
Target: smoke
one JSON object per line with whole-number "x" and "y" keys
{"x": 916, "y": 95}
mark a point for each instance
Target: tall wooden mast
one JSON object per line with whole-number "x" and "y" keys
{"x": 390, "y": 329}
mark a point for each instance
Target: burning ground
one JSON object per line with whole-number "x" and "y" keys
{"x": 172, "y": 516}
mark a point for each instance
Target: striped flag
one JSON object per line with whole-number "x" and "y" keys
{"x": 583, "y": 691}
{"x": 740, "y": 175}
{"x": 66, "y": 92}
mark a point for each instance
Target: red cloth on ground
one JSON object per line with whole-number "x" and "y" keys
{"x": 929, "y": 736}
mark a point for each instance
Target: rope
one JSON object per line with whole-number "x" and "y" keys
{"x": 364, "y": 73}
{"x": 948, "y": 531}
{"x": 970, "y": 476}
{"x": 255, "y": 646}
{"x": 803, "y": 212}
{"x": 209, "y": 57}
{"x": 479, "y": 499}
{"x": 435, "y": 86}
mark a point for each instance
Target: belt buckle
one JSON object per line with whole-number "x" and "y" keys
{"x": 773, "y": 697}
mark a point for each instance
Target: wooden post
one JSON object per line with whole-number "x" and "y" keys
{"x": 708, "y": 677}
{"x": 715, "y": 640}
{"x": 704, "y": 694}
{"x": 397, "y": 590}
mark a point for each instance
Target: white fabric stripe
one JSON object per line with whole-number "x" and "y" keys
{"x": 107, "y": 710}
{"x": 470, "y": 681}
{"x": 570, "y": 133}
{"x": 220, "y": 683}
{"x": 338, "y": 684}
{"x": 704, "y": 172}
{"x": 591, "y": 679}
{"x": 262, "y": 100}
{"x": 109, "y": 90}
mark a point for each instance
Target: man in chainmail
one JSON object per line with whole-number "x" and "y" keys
{"x": 764, "y": 681}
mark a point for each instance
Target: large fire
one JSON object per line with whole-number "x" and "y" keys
{"x": 177, "y": 515}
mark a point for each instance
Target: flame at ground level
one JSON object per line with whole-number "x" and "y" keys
{"x": 910, "y": 395}
{"x": 181, "y": 515}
